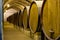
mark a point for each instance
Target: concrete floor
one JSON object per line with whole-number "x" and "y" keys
{"x": 15, "y": 35}
{"x": 11, "y": 33}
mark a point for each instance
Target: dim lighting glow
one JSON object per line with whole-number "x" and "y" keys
{"x": 8, "y": 5}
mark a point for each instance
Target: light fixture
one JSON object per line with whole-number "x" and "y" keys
{"x": 8, "y": 5}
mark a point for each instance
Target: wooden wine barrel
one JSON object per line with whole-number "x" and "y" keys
{"x": 20, "y": 12}
{"x": 51, "y": 19}
{"x": 26, "y": 17}
{"x": 16, "y": 18}
{"x": 20, "y": 18}
{"x": 34, "y": 12}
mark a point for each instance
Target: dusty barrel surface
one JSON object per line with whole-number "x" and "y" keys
{"x": 51, "y": 19}
{"x": 26, "y": 17}
{"x": 34, "y": 14}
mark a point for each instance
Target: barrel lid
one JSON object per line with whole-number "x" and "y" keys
{"x": 25, "y": 18}
{"x": 51, "y": 19}
{"x": 33, "y": 17}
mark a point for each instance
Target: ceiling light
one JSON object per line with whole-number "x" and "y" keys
{"x": 8, "y": 5}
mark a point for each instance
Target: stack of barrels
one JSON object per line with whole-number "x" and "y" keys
{"x": 42, "y": 15}
{"x": 16, "y": 18}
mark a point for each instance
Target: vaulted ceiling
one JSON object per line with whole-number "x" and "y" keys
{"x": 16, "y": 4}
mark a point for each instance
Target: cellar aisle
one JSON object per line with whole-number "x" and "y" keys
{"x": 11, "y": 33}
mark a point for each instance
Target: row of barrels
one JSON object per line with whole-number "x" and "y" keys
{"x": 39, "y": 15}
